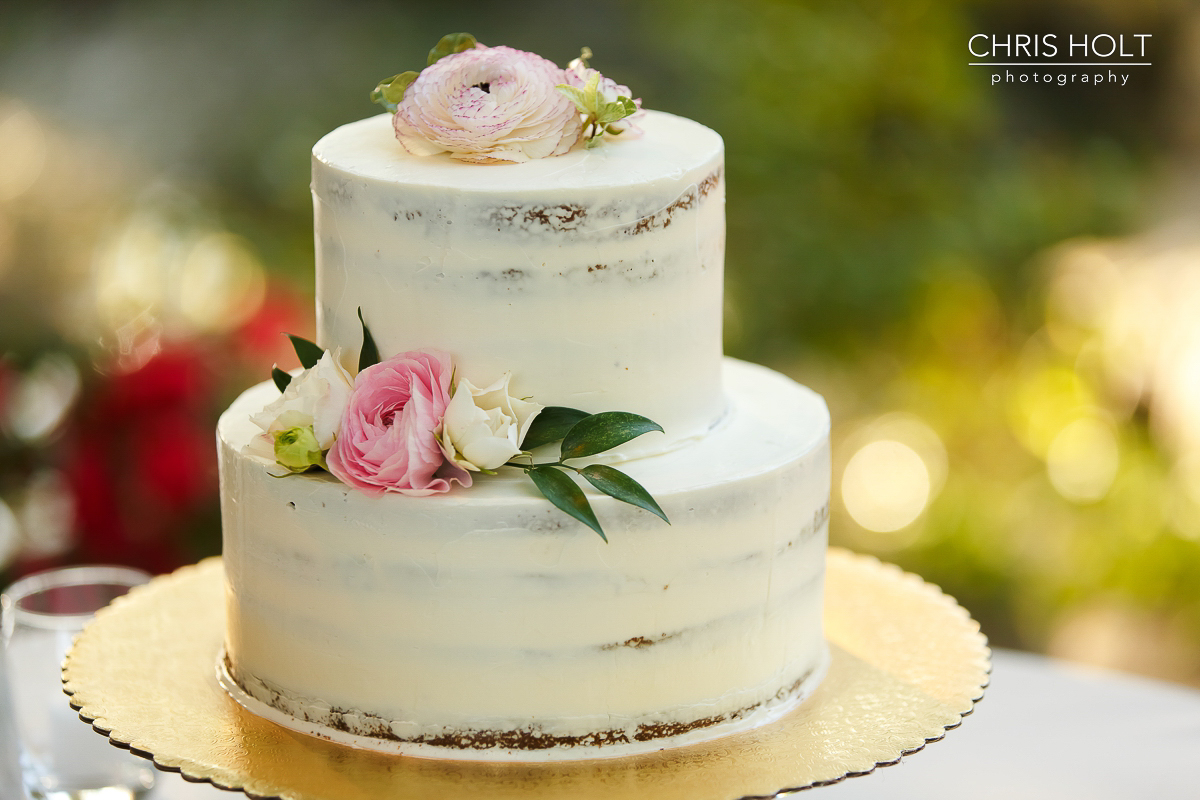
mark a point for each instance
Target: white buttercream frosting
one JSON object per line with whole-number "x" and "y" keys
{"x": 594, "y": 277}
{"x": 487, "y": 609}
{"x": 484, "y": 622}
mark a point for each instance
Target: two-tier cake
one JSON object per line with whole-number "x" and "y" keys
{"x": 482, "y": 621}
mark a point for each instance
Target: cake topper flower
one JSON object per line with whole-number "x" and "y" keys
{"x": 493, "y": 105}
{"x": 405, "y": 425}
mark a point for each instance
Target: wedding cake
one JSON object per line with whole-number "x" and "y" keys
{"x": 412, "y": 560}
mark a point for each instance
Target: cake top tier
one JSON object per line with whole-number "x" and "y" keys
{"x": 668, "y": 147}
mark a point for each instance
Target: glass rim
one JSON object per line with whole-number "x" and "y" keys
{"x": 62, "y": 578}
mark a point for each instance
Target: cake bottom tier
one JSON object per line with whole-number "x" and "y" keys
{"x": 484, "y": 623}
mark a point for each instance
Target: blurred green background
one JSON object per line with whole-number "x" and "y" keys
{"x": 994, "y": 286}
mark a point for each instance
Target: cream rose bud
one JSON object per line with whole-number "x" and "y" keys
{"x": 296, "y": 449}
{"x": 316, "y": 397}
{"x": 483, "y": 428}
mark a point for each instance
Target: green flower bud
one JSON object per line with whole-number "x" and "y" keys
{"x": 297, "y": 449}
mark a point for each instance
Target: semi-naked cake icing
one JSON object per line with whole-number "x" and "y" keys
{"x": 484, "y": 623}
{"x": 595, "y": 276}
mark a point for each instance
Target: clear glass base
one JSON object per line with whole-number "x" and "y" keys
{"x": 130, "y": 782}
{"x": 103, "y": 793}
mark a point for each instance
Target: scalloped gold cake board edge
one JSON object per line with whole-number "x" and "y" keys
{"x": 908, "y": 663}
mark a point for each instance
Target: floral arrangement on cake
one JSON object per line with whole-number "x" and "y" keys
{"x": 410, "y": 425}
{"x": 495, "y": 105}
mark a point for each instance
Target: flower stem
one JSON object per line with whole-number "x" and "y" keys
{"x": 531, "y": 465}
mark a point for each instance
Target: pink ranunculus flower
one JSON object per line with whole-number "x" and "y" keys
{"x": 486, "y": 105}
{"x": 388, "y": 439}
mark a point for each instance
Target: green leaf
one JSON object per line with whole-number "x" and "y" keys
{"x": 609, "y": 112}
{"x": 308, "y": 353}
{"x": 550, "y": 425}
{"x": 616, "y": 110}
{"x": 592, "y": 89}
{"x": 615, "y": 483}
{"x": 604, "y": 431}
{"x": 281, "y": 378}
{"x": 566, "y": 495}
{"x": 450, "y": 44}
{"x": 576, "y": 96}
{"x": 369, "y": 353}
{"x": 390, "y": 91}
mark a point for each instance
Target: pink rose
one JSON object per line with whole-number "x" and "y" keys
{"x": 489, "y": 104}
{"x": 388, "y": 438}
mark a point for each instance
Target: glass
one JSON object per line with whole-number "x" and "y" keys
{"x": 61, "y": 757}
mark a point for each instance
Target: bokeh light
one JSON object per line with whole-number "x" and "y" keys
{"x": 22, "y": 150}
{"x": 1082, "y": 459}
{"x": 221, "y": 283}
{"x": 10, "y": 533}
{"x": 43, "y": 397}
{"x": 158, "y": 276}
{"x": 885, "y": 485}
{"x": 46, "y": 516}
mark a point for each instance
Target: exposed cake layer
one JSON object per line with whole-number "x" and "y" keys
{"x": 358, "y": 729}
{"x": 488, "y": 610}
{"x": 595, "y": 277}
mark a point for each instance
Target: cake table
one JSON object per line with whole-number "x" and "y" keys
{"x": 907, "y": 665}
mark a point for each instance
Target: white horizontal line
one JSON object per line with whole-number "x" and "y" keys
{"x": 1059, "y": 64}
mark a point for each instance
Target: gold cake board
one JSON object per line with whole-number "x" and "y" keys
{"x": 907, "y": 664}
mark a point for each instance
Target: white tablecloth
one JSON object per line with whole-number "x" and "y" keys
{"x": 1045, "y": 729}
{"x": 1048, "y": 729}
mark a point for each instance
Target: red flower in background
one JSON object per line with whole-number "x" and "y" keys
{"x": 260, "y": 344}
{"x": 138, "y": 453}
{"x": 141, "y": 464}
{"x": 6, "y": 382}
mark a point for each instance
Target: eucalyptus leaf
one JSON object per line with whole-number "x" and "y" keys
{"x": 368, "y": 355}
{"x": 615, "y": 483}
{"x": 308, "y": 353}
{"x": 604, "y": 431}
{"x": 566, "y": 495}
{"x": 390, "y": 91}
{"x": 281, "y": 378}
{"x": 450, "y": 44}
{"x": 550, "y": 425}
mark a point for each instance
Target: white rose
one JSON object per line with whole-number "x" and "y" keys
{"x": 317, "y": 396}
{"x": 483, "y": 428}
